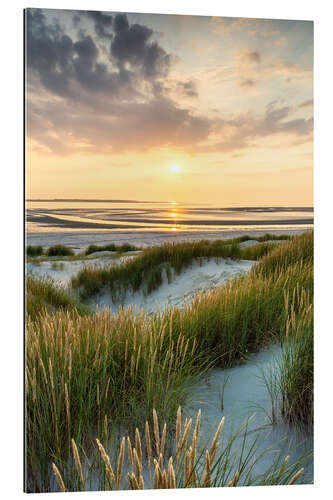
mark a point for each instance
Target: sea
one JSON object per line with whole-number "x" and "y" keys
{"x": 80, "y": 222}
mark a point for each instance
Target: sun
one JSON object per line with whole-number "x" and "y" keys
{"x": 175, "y": 169}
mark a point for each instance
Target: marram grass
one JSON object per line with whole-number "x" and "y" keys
{"x": 88, "y": 374}
{"x": 145, "y": 463}
{"x": 43, "y": 294}
{"x": 146, "y": 269}
{"x": 294, "y": 381}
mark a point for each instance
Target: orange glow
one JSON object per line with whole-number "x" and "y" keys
{"x": 232, "y": 126}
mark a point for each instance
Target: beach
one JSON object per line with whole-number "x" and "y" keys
{"x": 240, "y": 393}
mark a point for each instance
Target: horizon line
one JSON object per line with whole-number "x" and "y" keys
{"x": 107, "y": 200}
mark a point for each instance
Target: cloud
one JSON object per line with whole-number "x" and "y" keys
{"x": 246, "y": 130}
{"x": 306, "y": 104}
{"x": 109, "y": 90}
{"x": 127, "y": 128}
{"x": 181, "y": 88}
{"x": 248, "y": 83}
{"x": 102, "y": 22}
{"x": 133, "y": 45}
{"x": 95, "y": 105}
{"x": 66, "y": 66}
{"x": 252, "y": 56}
{"x": 262, "y": 28}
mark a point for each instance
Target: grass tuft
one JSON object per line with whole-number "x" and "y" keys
{"x": 59, "y": 250}
{"x": 111, "y": 247}
{"x": 44, "y": 295}
{"x": 186, "y": 467}
{"x": 34, "y": 251}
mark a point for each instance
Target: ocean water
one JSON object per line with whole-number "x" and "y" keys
{"x": 45, "y": 216}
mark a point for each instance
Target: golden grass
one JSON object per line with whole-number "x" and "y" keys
{"x": 193, "y": 471}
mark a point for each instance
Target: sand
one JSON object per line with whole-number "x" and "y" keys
{"x": 62, "y": 270}
{"x": 190, "y": 282}
{"x": 246, "y": 397}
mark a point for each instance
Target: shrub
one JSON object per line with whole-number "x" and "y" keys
{"x": 34, "y": 251}
{"x": 59, "y": 250}
{"x": 111, "y": 247}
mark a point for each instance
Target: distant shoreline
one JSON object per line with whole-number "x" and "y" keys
{"x": 273, "y": 208}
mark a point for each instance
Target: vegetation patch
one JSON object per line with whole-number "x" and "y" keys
{"x": 43, "y": 295}
{"x": 88, "y": 374}
{"x": 294, "y": 382}
{"x": 34, "y": 251}
{"x": 186, "y": 467}
{"x": 59, "y": 250}
{"x": 111, "y": 247}
{"x": 146, "y": 269}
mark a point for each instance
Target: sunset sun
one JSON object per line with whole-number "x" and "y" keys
{"x": 175, "y": 169}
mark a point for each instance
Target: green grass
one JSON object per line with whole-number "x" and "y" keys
{"x": 146, "y": 269}
{"x": 299, "y": 250}
{"x": 111, "y": 247}
{"x": 34, "y": 251}
{"x": 116, "y": 368}
{"x": 59, "y": 250}
{"x": 64, "y": 251}
{"x": 295, "y": 379}
{"x": 88, "y": 374}
{"x": 43, "y": 295}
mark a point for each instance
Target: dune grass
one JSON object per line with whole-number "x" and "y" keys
{"x": 87, "y": 374}
{"x": 146, "y": 269}
{"x": 44, "y": 295}
{"x": 84, "y": 371}
{"x": 145, "y": 461}
{"x": 295, "y": 379}
{"x": 111, "y": 247}
{"x": 34, "y": 251}
{"x": 59, "y": 250}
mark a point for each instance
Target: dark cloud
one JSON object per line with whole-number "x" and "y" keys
{"x": 133, "y": 45}
{"x": 64, "y": 65}
{"x": 108, "y": 91}
{"x": 76, "y": 20}
{"x": 188, "y": 88}
{"x": 119, "y": 104}
{"x": 102, "y": 23}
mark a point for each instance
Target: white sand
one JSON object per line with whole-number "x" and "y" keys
{"x": 187, "y": 284}
{"x": 246, "y": 396}
{"x": 63, "y": 270}
{"x": 251, "y": 243}
{"x": 245, "y": 399}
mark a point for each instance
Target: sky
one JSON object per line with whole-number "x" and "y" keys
{"x": 169, "y": 108}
